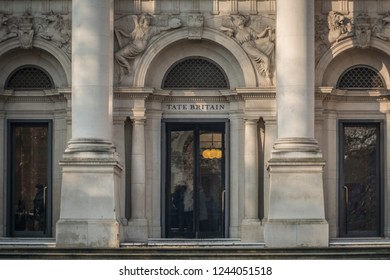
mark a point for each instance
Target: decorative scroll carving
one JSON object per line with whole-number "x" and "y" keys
{"x": 259, "y": 46}
{"x": 53, "y": 27}
{"x": 131, "y": 45}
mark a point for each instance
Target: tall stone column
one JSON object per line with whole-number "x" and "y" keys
{"x": 250, "y": 227}
{"x": 296, "y": 208}
{"x": 89, "y": 199}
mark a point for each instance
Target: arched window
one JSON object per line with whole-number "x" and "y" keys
{"x": 195, "y": 72}
{"x": 29, "y": 77}
{"x": 361, "y": 77}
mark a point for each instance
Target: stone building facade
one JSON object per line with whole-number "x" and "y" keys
{"x": 258, "y": 121}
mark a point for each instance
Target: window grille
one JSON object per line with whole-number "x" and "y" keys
{"x": 361, "y": 77}
{"x": 29, "y": 77}
{"x": 195, "y": 73}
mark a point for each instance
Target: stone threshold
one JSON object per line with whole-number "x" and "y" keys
{"x": 27, "y": 242}
{"x": 23, "y": 242}
{"x": 173, "y": 242}
{"x": 359, "y": 241}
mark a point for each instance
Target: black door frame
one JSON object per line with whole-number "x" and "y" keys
{"x": 10, "y": 231}
{"x": 164, "y": 170}
{"x": 343, "y": 231}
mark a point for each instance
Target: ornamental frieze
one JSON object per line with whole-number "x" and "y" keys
{"x": 52, "y": 27}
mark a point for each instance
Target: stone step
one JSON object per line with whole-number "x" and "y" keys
{"x": 196, "y": 252}
{"x": 45, "y": 248}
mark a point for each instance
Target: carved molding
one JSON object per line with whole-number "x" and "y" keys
{"x": 234, "y": 7}
{"x": 330, "y": 94}
{"x": 344, "y": 6}
{"x": 215, "y": 10}
{"x": 272, "y": 7}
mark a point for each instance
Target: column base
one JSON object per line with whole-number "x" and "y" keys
{"x": 296, "y": 233}
{"x": 94, "y": 233}
{"x": 296, "y": 148}
{"x": 90, "y": 148}
{"x": 252, "y": 231}
{"x": 296, "y": 216}
{"x": 136, "y": 230}
{"x": 89, "y": 196}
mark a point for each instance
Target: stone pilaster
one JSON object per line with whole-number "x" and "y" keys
{"x": 236, "y": 191}
{"x": 251, "y": 230}
{"x": 137, "y": 229}
{"x": 89, "y": 209}
{"x": 296, "y": 215}
{"x": 153, "y": 168}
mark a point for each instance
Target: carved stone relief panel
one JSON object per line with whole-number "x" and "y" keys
{"x": 53, "y": 27}
{"x": 133, "y": 35}
{"x": 360, "y": 26}
{"x": 250, "y": 23}
{"x": 257, "y": 40}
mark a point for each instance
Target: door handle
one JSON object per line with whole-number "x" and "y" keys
{"x": 44, "y": 197}
{"x": 346, "y": 190}
{"x": 223, "y": 200}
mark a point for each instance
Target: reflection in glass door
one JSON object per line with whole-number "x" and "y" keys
{"x": 360, "y": 180}
{"x": 29, "y": 178}
{"x": 195, "y": 180}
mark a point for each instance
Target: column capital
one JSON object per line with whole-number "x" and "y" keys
{"x": 139, "y": 120}
{"x": 251, "y": 120}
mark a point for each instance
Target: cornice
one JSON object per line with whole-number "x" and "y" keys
{"x": 257, "y": 93}
{"x": 331, "y": 94}
{"x": 195, "y": 99}
{"x": 41, "y": 96}
{"x": 132, "y": 93}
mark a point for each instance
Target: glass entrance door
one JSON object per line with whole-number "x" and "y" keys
{"x": 29, "y": 178}
{"x": 195, "y": 180}
{"x": 360, "y": 180}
